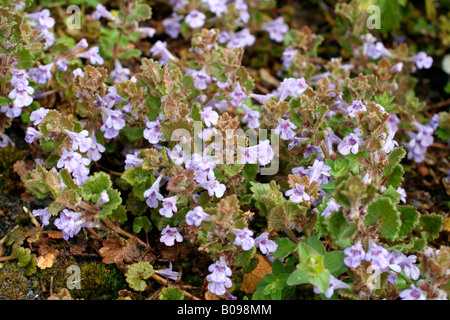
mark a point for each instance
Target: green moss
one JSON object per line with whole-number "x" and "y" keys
{"x": 13, "y": 283}
{"x": 99, "y": 281}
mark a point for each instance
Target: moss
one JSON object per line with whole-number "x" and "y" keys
{"x": 10, "y": 180}
{"x": 13, "y": 283}
{"x": 99, "y": 281}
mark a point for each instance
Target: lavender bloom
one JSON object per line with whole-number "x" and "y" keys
{"x": 153, "y": 131}
{"x": 201, "y": 79}
{"x": 82, "y": 44}
{"x": 4, "y": 140}
{"x": 172, "y": 26}
{"x": 244, "y": 238}
{"x": 71, "y": 160}
{"x": 111, "y": 98}
{"x": 168, "y": 207}
{"x": 41, "y": 20}
{"x": 393, "y": 122}
{"x": 264, "y": 244}
{"x": 132, "y": 160}
{"x": 276, "y": 28}
{"x": 244, "y": 16}
{"x": 332, "y": 206}
{"x": 412, "y": 294}
{"x": 93, "y": 56}
{"x": 297, "y": 194}
{"x": 251, "y": 117}
{"x": 354, "y": 255}
{"x": 402, "y": 194}
{"x": 95, "y": 149}
{"x": 41, "y": 74}
{"x": 80, "y": 140}
{"x": 168, "y": 273}
{"x": 102, "y": 12}
{"x": 209, "y": 116}
{"x": 177, "y": 155}
{"x": 119, "y": 73}
{"x": 218, "y": 277}
{"x": 214, "y": 188}
{"x": 21, "y": 94}
{"x": 356, "y": 106}
{"x": 153, "y": 195}
{"x": 113, "y": 122}
{"x": 241, "y": 39}
{"x": 390, "y": 143}
{"x": 81, "y": 174}
{"x": 61, "y": 65}
{"x": 335, "y": 284}
{"x": 396, "y": 68}
{"x": 170, "y": 235}
{"x": 44, "y": 215}
{"x": 104, "y": 198}
{"x": 349, "y": 144}
{"x": 378, "y": 255}
{"x": 196, "y": 217}
{"x": 32, "y": 134}
{"x": 422, "y": 61}
{"x": 419, "y": 142}
{"x": 195, "y": 19}
{"x": 11, "y": 112}
{"x": 218, "y": 7}
{"x": 319, "y": 172}
{"x": 237, "y": 96}
{"x": 291, "y": 87}
{"x": 77, "y": 72}
{"x": 285, "y": 129}
{"x": 261, "y": 153}
{"x": 376, "y": 50}
{"x": 288, "y": 56}
{"x": 70, "y": 223}
{"x": 311, "y": 149}
{"x": 160, "y": 48}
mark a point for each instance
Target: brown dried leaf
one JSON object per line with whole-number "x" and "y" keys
{"x": 253, "y": 278}
{"x": 116, "y": 250}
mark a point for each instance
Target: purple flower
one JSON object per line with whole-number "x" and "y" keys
{"x": 62, "y": 65}
{"x": 21, "y": 94}
{"x": 251, "y": 117}
{"x": 119, "y": 73}
{"x": 396, "y": 68}
{"x": 41, "y": 74}
{"x": 286, "y": 129}
{"x": 297, "y": 194}
{"x": 332, "y": 206}
{"x": 113, "y": 122}
{"x": 288, "y": 56}
{"x": 170, "y": 235}
{"x": 276, "y": 28}
{"x": 209, "y": 116}
{"x": 378, "y": 255}
{"x": 412, "y": 294}
{"x": 153, "y": 195}
{"x": 95, "y": 149}
{"x": 264, "y": 244}
{"x": 77, "y": 72}
{"x": 376, "y": 50}
{"x": 311, "y": 149}
{"x": 71, "y": 160}
{"x": 44, "y": 215}
{"x": 111, "y": 98}
{"x": 82, "y": 44}
{"x": 349, "y": 144}
{"x": 244, "y": 238}
{"x": 218, "y": 277}
{"x": 153, "y": 131}
{"x": 196, "y": 217}
{"x": 291, "y": 87}
{"x": 32, "y": 134}
{"x": 419, "y": 142}
{"x": 70, "y": 223}
{"x": 319, "y": 172}
{"x": 201, "y": 78}
{"x": 335, "y": 284}
{"x": 104, "y": 198}
{"x": 214, "y": 188}
{"x": 172, "y": 26}
{"x": 93, "y": 56}
{"x": 4, "y": 140}
{"x": 354, "y": 255}
{"x": 168, "y": 273}
{"x": 80, "y": 140}
{"x": 41, "y": 19}
{"x": 160, "y": 48}
{"x": 102, "y": 12}
{"x": 218, "y": 7}
{"x": 261, "y": 153}
{"x": 132, "y": 160}
{"x": 241, "y": 39}
{"x": 169, "y": 206}
{"x": 422, "y": 61}
{"x": 195, "y": 19}
{"x": 237, "y": 96}
{"x": 356, "y": 106}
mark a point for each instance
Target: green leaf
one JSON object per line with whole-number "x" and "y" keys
{"x": 410, "y": 218}
{"x": 94, "y": 186}
{"x": 285, "y": 248}
{"x": 171, "y": 293}
{"x": 383, "y": 209}
{"x": 322, "y": 280}
{"x": 394, "y": 159}
{"x": 141, "y": 222}
{"x": 430, "y": 226}
{"x": 334, "y": 262}
{"x": 341, "y": 231}
{"x": 25, "y": 58}
{"x": 281, "y": 215}
{"x": 395, "y": 179}
{"x": 140, "y": 12}
{"x": 316, "y": 244}
{"x": 114, "y": 201}
{"x": 297, "y": 277}
{"x": 244, "y": 258}
{"x": 137, "y": 273}
{"x": 23, "y": 256}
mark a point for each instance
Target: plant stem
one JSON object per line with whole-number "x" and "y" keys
{"x": 167, "y": 283}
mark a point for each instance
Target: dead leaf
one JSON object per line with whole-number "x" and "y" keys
{"x": 116, "y": 250}
{"x": 447, "y": 224}
{"x": 47, "y": 256}
{"x": 211, "y": 296}
{"x": 63, "y": 294}
{"x": 22, "y": 168}
{"x": 253, "y": 278}
{"x": 33, "y": 234}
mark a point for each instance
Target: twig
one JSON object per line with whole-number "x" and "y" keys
{"x": 167, "y": 284}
